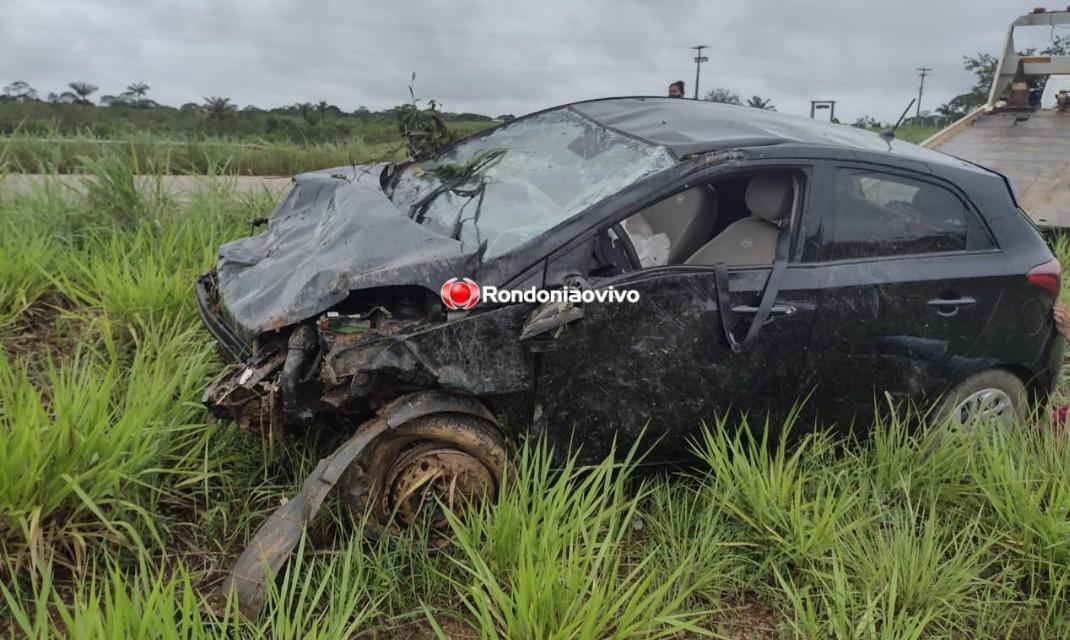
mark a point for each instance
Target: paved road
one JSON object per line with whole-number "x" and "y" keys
{"x": 23, "y": 182}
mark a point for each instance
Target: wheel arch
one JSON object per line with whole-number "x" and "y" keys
{"x": 1037, "y": 390}
{"x": 418, "y": 404}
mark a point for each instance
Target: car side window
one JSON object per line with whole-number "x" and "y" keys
{"x": 879, "y": 214}
{"x": 734, "y": 219}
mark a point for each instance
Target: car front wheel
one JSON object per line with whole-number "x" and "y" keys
{"x": 413, "y": 473}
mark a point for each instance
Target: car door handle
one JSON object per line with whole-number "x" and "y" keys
{"x": 775, "y": 310}
{"x": 948, "y": 307}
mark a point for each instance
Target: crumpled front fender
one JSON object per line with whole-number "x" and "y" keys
{"x": 275, "y": 540}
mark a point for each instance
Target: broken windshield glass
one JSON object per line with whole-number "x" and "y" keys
{"x": 514, "y": 184}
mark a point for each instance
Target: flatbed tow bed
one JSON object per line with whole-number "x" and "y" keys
{"x": 1028, "y": 143}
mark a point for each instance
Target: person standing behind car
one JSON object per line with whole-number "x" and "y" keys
{"x": 676, "y": 89}
{"x": 1062, "y": 319}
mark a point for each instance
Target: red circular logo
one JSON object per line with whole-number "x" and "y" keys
{"x": 460, "y": 293}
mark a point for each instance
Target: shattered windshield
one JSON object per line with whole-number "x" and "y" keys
{"x": 514, "y": 184}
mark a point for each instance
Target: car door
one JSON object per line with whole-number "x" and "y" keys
{"x": 912, "y": 277}
{"x": 655, "y": 369}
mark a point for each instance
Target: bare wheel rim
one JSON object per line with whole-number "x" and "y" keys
{"x": 986, "y": 405}
{"x": 431, "y": 477}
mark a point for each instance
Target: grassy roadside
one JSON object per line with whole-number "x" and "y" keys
{"x": 20, "y": 153}
{"x": 120, "y": 506}
{"x": 26, "y": 153}
{"x": 915, "y": 133}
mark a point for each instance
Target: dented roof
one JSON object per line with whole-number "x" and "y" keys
{"x": 687, "y": 126}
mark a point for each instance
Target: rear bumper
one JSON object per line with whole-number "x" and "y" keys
{"x": 235, "y": 349}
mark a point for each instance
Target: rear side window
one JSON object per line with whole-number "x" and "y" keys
{"x": 880, "y": 214}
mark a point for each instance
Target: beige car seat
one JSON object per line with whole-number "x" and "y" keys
{"x": 752, "y": 240}
{"x": 687, "y": 218}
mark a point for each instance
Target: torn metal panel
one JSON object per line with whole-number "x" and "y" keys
{"x": 468, "y": 458}
{"x": 425, "y": 403}
{"x": 275, "y": 540}
{"x": 476, "y": 355}
{"x": 249, "y": 395}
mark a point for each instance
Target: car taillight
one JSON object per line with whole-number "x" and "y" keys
{"x": 1046, "y": 276}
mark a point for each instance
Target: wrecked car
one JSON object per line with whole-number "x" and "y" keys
{"x": 618, "y": 271}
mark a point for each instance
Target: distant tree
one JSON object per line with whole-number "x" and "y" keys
{"x": 19, "y": 91}
{"x": 217, "y": 108}
{"x": 323, "y": 108}
{"x": 308, "y": 112}
{"x": 66, "y": 97}
{"x": 469, "y": 117}
{"x": 983, "y": 67}
{"x": 724, "y": 96}
{"x": 1060, "y": 46}
{"x": 190, "y": 106}
{"x": 926, "y": 119}
{"x": 80, "y": 92}
{"x": 506, "y": 117}
{"x": 110, "y": 101}
{"x": 759, "y": 102}
{"x": 135, "y": 94}
{"x": 866, "y": 122}
{"x": 362, "y": 111}
{"x": 137, "y": 89}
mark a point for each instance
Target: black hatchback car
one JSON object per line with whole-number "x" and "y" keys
{"x": 609, "y": 268}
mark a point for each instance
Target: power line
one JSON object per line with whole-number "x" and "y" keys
{"x": 923, "y": 71}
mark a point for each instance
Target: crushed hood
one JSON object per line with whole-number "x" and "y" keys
{"x": 335, "y": 231}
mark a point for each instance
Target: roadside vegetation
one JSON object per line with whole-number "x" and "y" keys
{"x": 66, "y": 133}
{"x": 177, "y": 156}
{"x": 121, "y": 507}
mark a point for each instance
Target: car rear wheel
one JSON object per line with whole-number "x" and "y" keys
{"x": 996, "y": 396}
{"x": 412, "y": 474}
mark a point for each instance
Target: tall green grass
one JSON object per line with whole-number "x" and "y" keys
{"x": 92, "y": 427}
{"x": 186, "y": 156}
{"x": 554, "y": 559}
{"x": 120, "y": 506}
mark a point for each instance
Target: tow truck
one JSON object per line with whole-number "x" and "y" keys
{"x": 1018, "y": 135}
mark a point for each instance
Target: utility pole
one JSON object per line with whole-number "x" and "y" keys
{"x": 699, "y": 59}
{"x": 922, "y": 71}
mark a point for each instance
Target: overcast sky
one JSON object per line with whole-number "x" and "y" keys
{"x": 502, "y": 56}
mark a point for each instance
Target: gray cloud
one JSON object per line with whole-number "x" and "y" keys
{"x": 503, "y": 57}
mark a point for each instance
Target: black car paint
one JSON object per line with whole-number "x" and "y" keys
{"x": 662, "y": 366}
{"x": 867, "y": 328}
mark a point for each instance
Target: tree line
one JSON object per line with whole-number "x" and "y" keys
{"x": 77, "y": 110}
{"x": 216, "y": 107}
